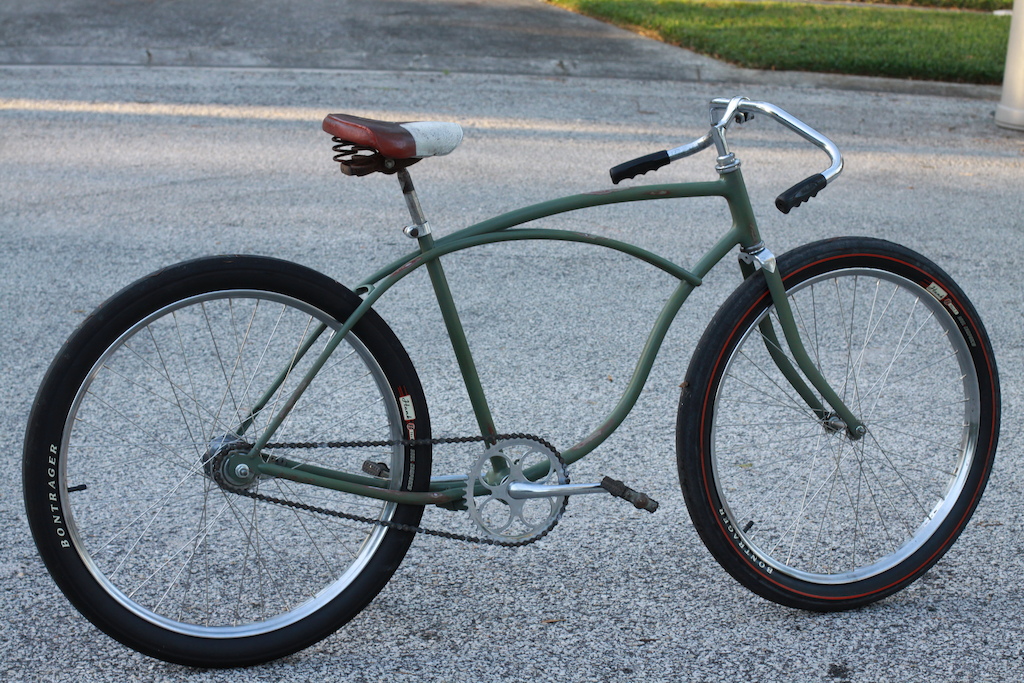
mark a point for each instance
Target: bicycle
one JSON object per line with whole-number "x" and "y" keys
{"x": 229, "y": 458}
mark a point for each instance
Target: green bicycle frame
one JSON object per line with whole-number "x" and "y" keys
{"x": 743, "y": 233}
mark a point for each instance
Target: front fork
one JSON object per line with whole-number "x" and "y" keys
{"x": 840, "y": 417}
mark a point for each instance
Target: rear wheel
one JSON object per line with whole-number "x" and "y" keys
{"x": 138, "y": 515}
{"x": 787, "y": 502}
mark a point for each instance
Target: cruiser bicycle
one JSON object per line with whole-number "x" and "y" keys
{"x": 229, "y": 458}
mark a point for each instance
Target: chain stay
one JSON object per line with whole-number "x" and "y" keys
{"x": 386, "y": 522}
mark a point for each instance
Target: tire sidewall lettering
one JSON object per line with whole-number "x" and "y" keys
{"x": 742, "y": 545}
{"x": 55, "y": 512}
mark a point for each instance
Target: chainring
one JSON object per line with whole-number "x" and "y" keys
{"x": 501, "y": 517}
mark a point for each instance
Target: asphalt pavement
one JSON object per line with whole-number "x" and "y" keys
{"x": 133, "y": 135}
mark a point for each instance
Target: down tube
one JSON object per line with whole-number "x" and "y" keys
{"x": 650, "y": 350}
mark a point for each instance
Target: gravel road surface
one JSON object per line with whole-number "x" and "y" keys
{"x": 111, "y": 168}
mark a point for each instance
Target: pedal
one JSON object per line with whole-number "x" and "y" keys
{"x": 376, "y": 469}
{"x": 641, "y": 501}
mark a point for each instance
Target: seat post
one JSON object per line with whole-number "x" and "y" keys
{"x": 420, "y": 227}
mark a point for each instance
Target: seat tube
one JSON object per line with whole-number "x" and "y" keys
{"x": 460, "y": 345}
{"x": 420, "y": 229}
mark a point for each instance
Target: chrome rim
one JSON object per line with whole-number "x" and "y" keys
{"x": 158, "y": 534}
{"x": 808, "y": 501}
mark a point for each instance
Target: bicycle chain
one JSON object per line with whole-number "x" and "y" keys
{"x": 399, "y": 526}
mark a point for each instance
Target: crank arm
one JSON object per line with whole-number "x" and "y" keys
{"x": 641, "y": 501}
{"x": 521, "y": 490}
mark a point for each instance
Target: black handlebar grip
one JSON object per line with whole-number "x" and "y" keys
{"x": 800, "y": 193}
{"x": 631, "y": 169}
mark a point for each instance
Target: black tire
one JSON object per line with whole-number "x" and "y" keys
{"x": 793, "y": 508}
{"x": 133, "y": 518}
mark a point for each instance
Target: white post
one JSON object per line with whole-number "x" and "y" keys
{"x": 1010, "y": 112}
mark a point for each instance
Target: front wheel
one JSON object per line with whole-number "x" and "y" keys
{"x": 788, "y": 503}
{"x": 133, "y": 504}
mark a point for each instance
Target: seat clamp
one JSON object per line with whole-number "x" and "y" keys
{"x": 417, "y": 231}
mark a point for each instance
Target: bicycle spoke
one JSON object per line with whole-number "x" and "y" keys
{"x": 152, "y": 430}
{"x": 808, "y": 496}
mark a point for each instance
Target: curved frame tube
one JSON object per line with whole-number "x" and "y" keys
{"x": 743, "y": 233}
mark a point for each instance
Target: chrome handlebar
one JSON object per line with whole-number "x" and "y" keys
{"x": 743, "y": 106}
{"x": 724, "y": 113}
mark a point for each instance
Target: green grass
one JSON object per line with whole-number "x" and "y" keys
{"x": 966, "y": 47}
{"x": 976, "y": 5}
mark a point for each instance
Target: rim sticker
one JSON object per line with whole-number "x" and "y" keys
{"x": 408, "y": 412}
{"x": 938, "y": 292}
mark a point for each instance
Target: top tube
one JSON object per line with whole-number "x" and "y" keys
{"x": 511, "y": 219}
